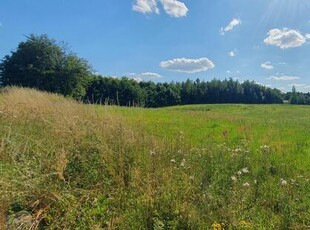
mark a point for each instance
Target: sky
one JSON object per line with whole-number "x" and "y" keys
{"x": 267, "y": 41}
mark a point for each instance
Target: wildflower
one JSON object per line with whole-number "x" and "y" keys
{"x": 183, "y": 163}
{"x": 152, "y": 153}
{"x": 216, "y": 226}
{"x": 246, "y": 184}
{"x": 255, "y": 181}
{"x": 238, "y": 150}
{"x": 283, "y": 182}
{"x": 239, "y": 173}
{"x": 172, "y": 160}
{"x": 245, "y": 170}
{"x": 234, "y": 179}
{"x": 244, "y": 224}
{"x": 265, "y": 148}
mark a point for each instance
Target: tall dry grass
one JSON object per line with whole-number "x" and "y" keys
{"x": 59, "y": 153}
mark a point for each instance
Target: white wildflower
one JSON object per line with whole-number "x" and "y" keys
{"x": 234, "y": 179}
{"x": 246, "y": 184}
{"x": 245, "y": 170}
{"x": 238, "y": 150}
{"x": 172, "y": 160}
{"x": 283, "y": 182}
{"x": 183, "y": 163}
{"x": 264, "y": 148}
{"x": 239, "y": 173}
{"x": 152, "y": 153}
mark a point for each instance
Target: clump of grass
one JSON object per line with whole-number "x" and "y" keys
{"x": 64, "y": 165}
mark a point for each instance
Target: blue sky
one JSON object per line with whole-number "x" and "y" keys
{"x": 267, "y": 41}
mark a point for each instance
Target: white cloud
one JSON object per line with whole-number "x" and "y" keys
{"x": 146, "y": 6}
{"x": 150, "y": 75}
{"x": 188, "y": 65}
{"x": 267, "y": 65}
{"x": 137, "y": 79}
{"x": 307, "y": 36}
{"x": 232, "y": 54}
{"x": 143, "y": 76}
{"x": 228, "y": 72}
{"x": 174, "y": 8}
{"x": 285, "y": 38}
{"x": 297, "y": 85}
{"x": 301, "y": 87}
{"x": 283, "y": 78}
{"x": 230, "y": 26}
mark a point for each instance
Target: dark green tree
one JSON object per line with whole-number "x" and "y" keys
{"x": 294, "y": 97}
{"x": 39, "y": 62}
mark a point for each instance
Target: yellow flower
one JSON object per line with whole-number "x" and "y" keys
{"x": 244, "y": 224}
{"x": 216, "y": 226}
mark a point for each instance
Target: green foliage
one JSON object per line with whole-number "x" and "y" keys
{"x": 64, "y": 165}
{"x": 39, "y": 62}
{"x": 128, "y": 92}
{"x": 297, "y": 98}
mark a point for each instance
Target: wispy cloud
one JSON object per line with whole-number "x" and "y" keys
{"x": 235, "y": 22}
{"x": 232, "y": 54}
{"x": 143, "y": 76}
{"x": 267, "y": 65}
{"x": 146, "y": 6}
{"x": 188, "y": 65}
{"x": 173, "y": 8}
{"x": 301, "y": 87}
{"x": 297, "y": 85}
{"x": 283, "y": 78}
{"x": 285, "y": 38}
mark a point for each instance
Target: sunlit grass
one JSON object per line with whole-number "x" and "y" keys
{"x": 65, "y": 165}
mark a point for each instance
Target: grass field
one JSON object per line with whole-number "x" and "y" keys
{"x": 65, "y": 165}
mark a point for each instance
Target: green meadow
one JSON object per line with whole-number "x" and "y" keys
{"x": 66, "y": 165}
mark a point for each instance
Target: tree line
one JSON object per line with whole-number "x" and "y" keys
{"x": 126, "y": 91}
{"x": 42, "y": 63}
